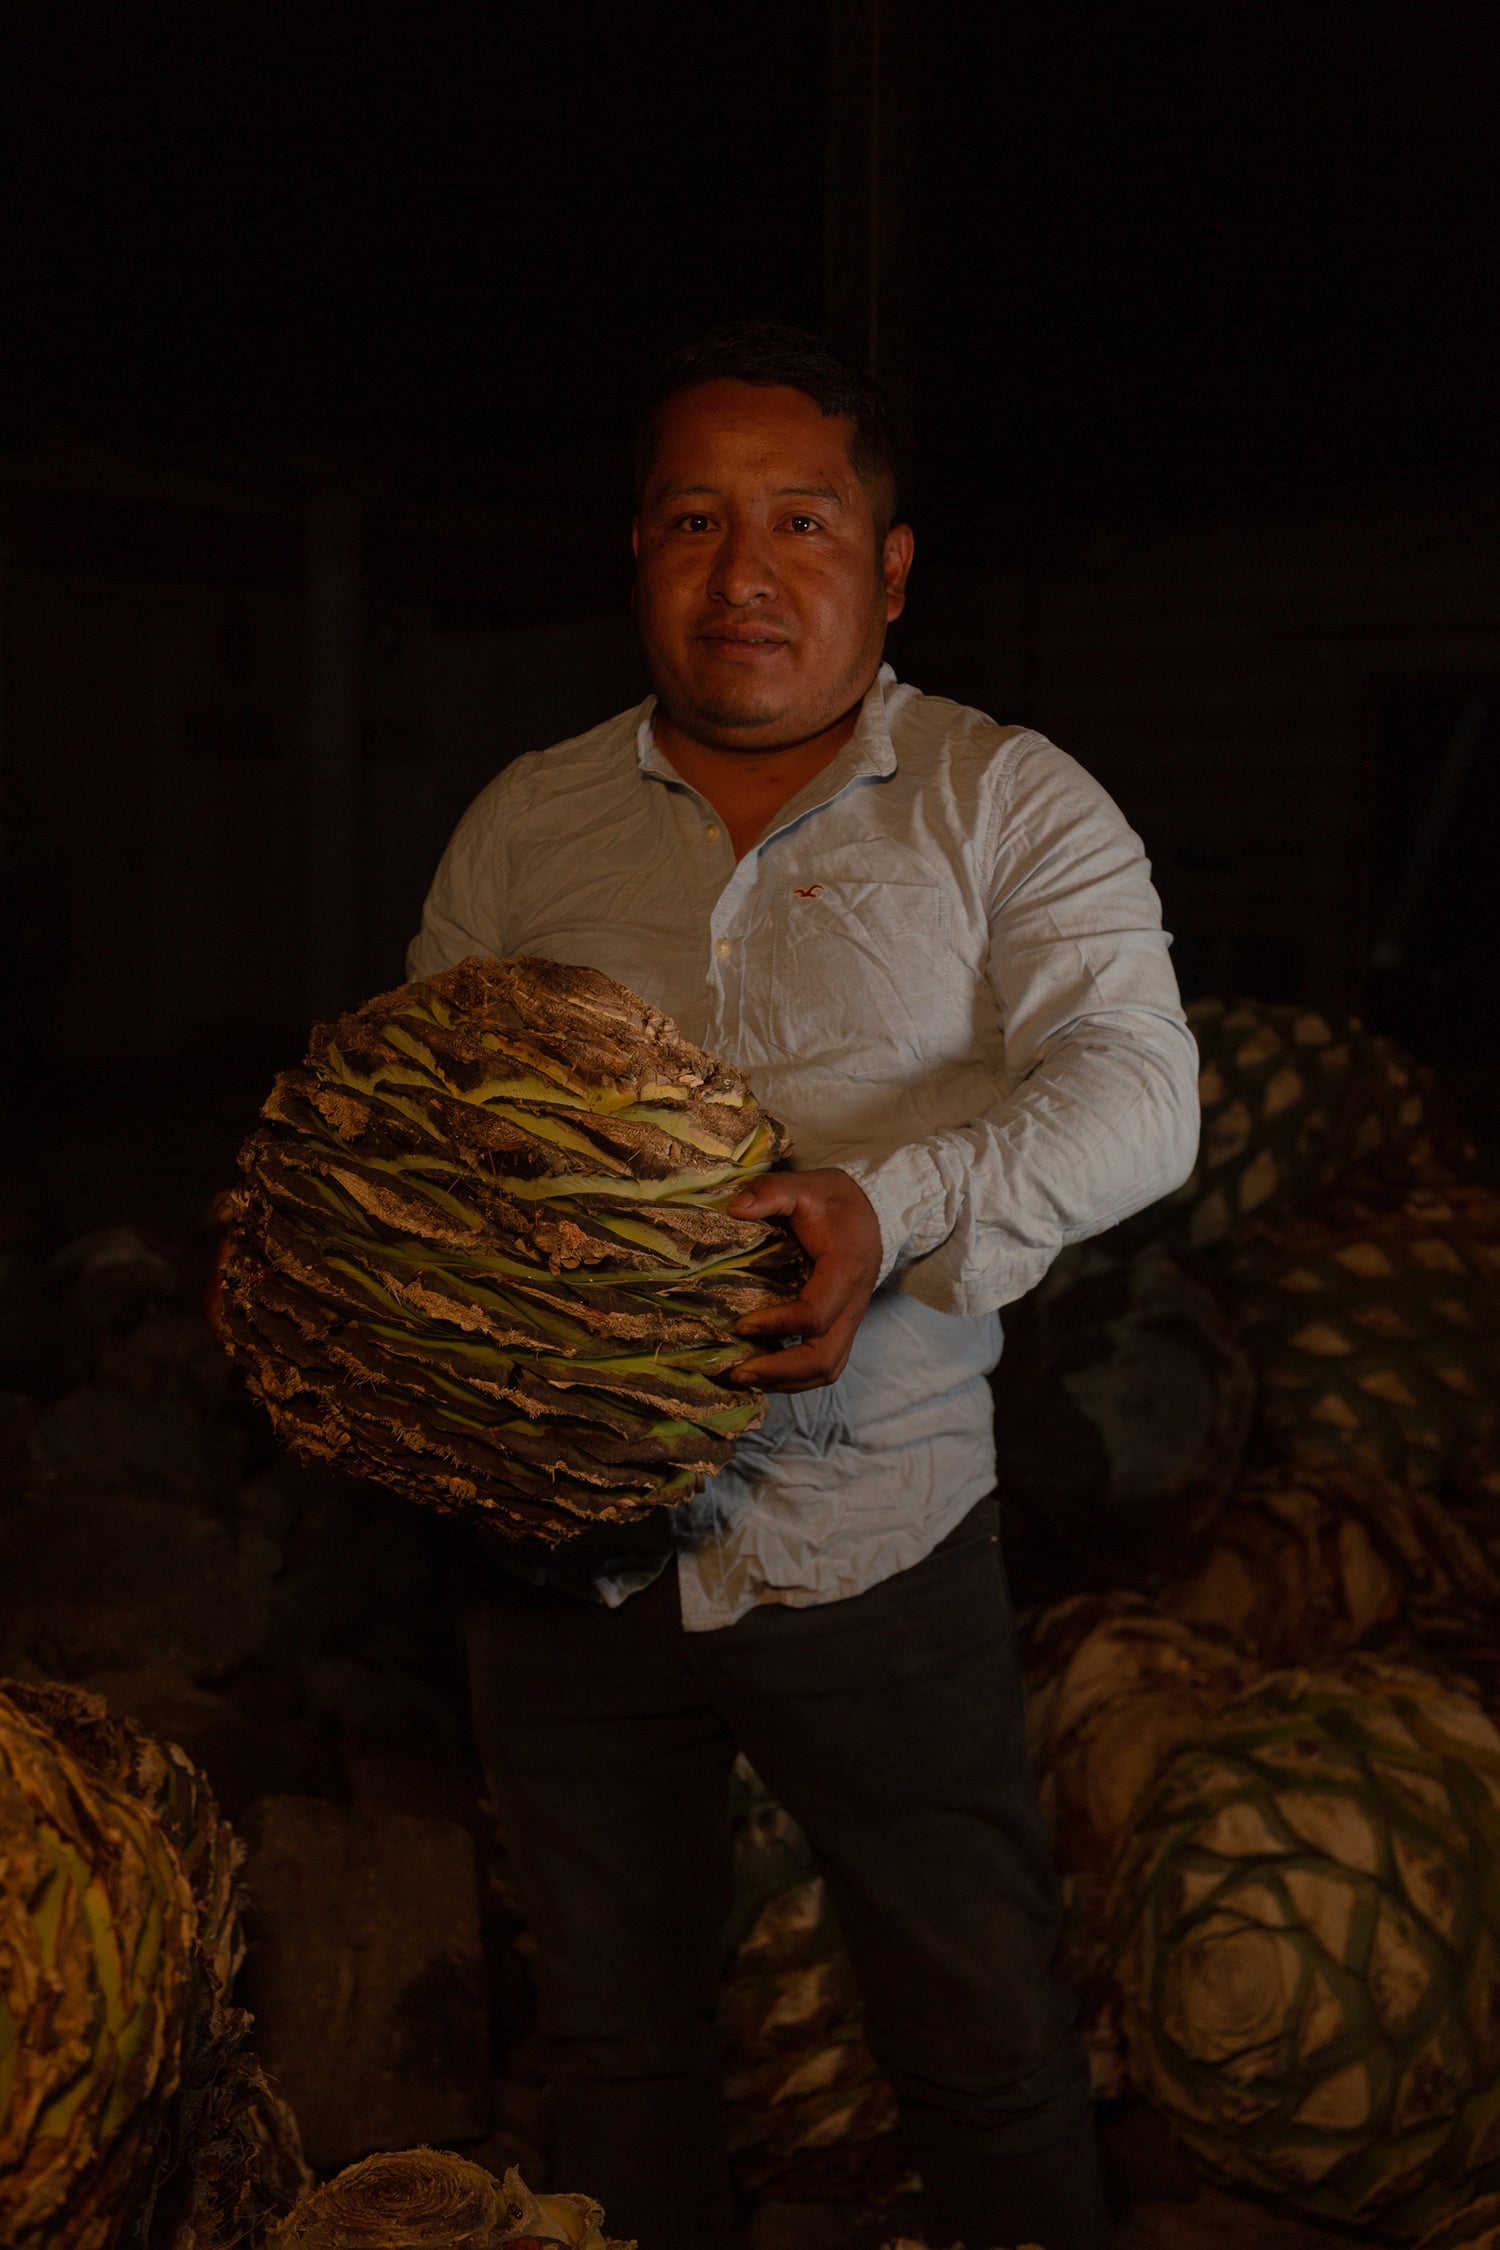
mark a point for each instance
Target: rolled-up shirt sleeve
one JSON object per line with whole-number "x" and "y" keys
{"x": 1100, "y": 1113}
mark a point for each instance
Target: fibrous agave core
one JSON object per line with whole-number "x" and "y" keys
{"x": 481, "y": 1250}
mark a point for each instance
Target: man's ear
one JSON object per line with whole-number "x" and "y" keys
{"x": 635, "y": 537}
{"x": 895, "y": 565}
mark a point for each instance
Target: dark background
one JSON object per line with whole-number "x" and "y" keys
{"x": 1188, "y": 316}
{"x": 1150, "y": 261}
{"x": 442, "y": 239}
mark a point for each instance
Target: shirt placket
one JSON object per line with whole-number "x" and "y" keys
{"x": 728, "y": 929}
{"x": 722, "y": 894}
{"x": 732, "y": 916}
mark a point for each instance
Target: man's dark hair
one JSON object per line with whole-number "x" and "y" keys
{"x": 771, "y": 353}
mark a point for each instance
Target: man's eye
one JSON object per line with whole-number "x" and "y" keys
{"x": 803, "y": 523}
{"x": 692, "y": 523}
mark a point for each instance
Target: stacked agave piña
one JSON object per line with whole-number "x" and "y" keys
{"x": 1303, "y": 1568}
{"x": 118, "y": 1938}
{"x": 1375, "y": 1328}
{"x": 97, "y": 1975}
{"x": 1117, "y": 1686}
{"x": 1292, "y": 1102}
{"x": 1307, "y": 1564}
{"x": 1309, "y": 1931}
{"x": 428, "y": 2199}
{"x": 1114, "y": 1688}
{"x": 481, "y": 1250}
{"x": 1288, "y": 1880}
{"x": 801, "y": 2082}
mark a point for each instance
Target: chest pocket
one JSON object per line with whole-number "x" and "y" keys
{"x": 863, "y": 973}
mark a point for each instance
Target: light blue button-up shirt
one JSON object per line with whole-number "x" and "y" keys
{"x": 943, "y": 967}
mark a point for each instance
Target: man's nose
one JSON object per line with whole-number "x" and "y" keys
{"x": 743, "y": 571}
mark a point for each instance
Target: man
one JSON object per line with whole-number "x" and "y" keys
{"x": 932, "y": 943}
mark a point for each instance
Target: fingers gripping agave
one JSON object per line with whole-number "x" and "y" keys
{"x": 482, "y": 1250}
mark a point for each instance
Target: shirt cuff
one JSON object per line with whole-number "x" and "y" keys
{"x": 910, "y": 1201}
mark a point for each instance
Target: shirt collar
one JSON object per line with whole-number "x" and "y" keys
{"x": 868, "y": 751}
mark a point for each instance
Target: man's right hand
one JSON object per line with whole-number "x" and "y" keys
{"x": 835, "y": 1222}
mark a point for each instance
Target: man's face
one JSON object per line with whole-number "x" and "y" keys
{"x": 763, "y": 585}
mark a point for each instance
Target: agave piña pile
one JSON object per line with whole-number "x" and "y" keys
{"x": 805, "y": 2094}
{"x": 1374, "y": 1325}
{"x": 427, "y": 2199}
{"x": 118, "y": 1935}
{"x": 481, "y": 1250}
{"x": 97, "y": 1927}
{"x": 1113, "y": 1688}
{"x": 1309, "y": 1926}
{"x": 1293, "y": 1101}
{"x": 1307, "y": 1563}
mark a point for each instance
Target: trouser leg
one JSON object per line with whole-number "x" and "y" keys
{"x": 612, "y": 1779}
{"x": 891, "y": 1725}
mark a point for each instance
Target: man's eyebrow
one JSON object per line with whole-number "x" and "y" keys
{"x": 826, "y": 492}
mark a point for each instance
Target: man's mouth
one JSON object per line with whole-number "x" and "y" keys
{"x": 730, "y": 637}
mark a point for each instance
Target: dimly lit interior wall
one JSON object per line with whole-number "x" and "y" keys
{"x": 161, "y": 719}
{"x": 1235, "y": 688}
{"x": 1189, "y": 327}
{"x": 1230, "y": 685}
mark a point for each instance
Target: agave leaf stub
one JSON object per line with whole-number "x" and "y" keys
{"x": 482, "y": 1251}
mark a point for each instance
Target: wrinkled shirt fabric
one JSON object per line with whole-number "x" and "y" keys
{"x": 943, "y": 967}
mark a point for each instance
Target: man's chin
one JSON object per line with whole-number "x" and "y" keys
{"x": 731, "y": 722}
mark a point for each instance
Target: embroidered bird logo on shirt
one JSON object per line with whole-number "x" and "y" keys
{"x": 813, "y": 890}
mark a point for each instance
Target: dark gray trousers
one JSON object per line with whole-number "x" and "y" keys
{"x": 890, "y": 1725}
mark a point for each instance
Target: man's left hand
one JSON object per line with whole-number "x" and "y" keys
{"x": 835, "y": 1223}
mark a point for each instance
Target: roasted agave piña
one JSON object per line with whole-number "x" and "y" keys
{"x": 429, "y": 2199}
{"x": 119, "y": 1934}
{"x": 481, "y": 1250}
{"x": 1308, "y": 1933}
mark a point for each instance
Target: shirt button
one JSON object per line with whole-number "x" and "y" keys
{"x": 713, "y": 832}
{"x": 723, "y": 947}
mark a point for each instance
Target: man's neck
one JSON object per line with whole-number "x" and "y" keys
{"x": 747, "y": 788}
